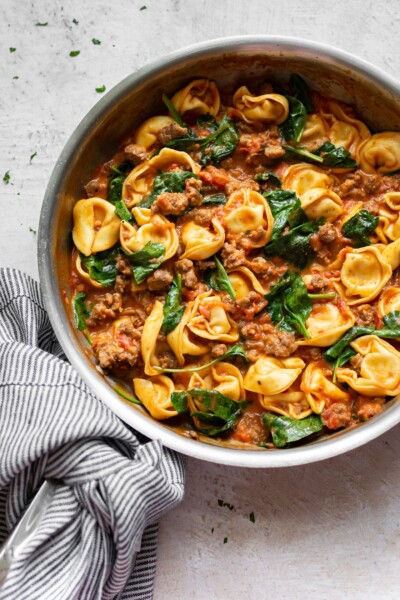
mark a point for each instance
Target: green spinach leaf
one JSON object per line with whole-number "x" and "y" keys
{"x": 292, "y": 129}
{"x": 101, "y": 266}
{"x": 268, "y": 176}
{"x": 173, "y": 181}
{"x": 300, "y": 90}
{"x": 294, "y": 246}
{"x": 81, "y": 311}
{"x": 285, "y": 430}
{"x": 114, "y": 194}
{"x": 144, "y": 261}
{"x": 288, "y": 304}
{"x": 173, "y": 309}
{"x": 221, "y": 143}
{"x": 173, "y": 112}
{"x": 218, "y": 280}
{"x": 215, "y": 414}
{"x": 286, "y": 210}
{"x": 359, "y": 227}
{"x": 215, "y": 199}
{"x": 336, "y": 156}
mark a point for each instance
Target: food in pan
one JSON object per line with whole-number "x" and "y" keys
{"x": 235, "y": 264}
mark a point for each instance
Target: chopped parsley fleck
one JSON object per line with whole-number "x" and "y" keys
{"x": 143, "y": 7}
{"x": 225, "y": 540}
{"x": 32, "y": 156}
{"x": 252, "y": 517}
{"x": 74, "y": 52}
{"x": 101, "y": 89}
{"x": 75, "y": 22}
{"x": 32, "y": 230}
{"x": 7, "y": 177}
{"x": 12, "y": 49}
{"x": 222, "y": 503}
{"x": 42, "y": 24}
{"x": 212, "y": 529}
{"x": 96, "y": 42}
{"x": 15, "y": 77}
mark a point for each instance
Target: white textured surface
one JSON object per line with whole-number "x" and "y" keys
{"x": 325, "y": 531}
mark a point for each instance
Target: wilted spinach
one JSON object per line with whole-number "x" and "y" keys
{"x": 221, "y": 143}
{"x": 288, "y": 304}
{"x": 267, "y": 177}
{"x": 215, "y": 199}
{"x": 144, "y": 261}
{"x": 173, "y": 309}
{"x": 81, "y": 311}
{"x": 286, "y": 210}
{"x": 173, "y": 181}
{"x": 327, "y": 155}
{"x": 234, "y": 352}
{"x": 285, "y": 430}
{"x": 218, "y": 279}
{"x": 294, "y": 246}
{"x": 299, "y": 89}
{"x": 114, "y": 193}
{"x": 359, "y": 227}
{"x": 101, "y": 266}
{"x": 216, "y": 412}
{"x": 292, "y": 129}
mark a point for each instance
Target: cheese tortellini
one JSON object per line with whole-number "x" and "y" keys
{"x": 302, "y": 177}
{"x": 381, "y": 153}
{"x": 320, "y": 203}
{"x": 389, "y": 301}
{"x": 222, "y": 377}
{"x": 344, "y": 130}
{"x": 244, "y": 281}
{"x": 210, "y": 319}
{"x": 327, "y": 323}
{"x": 159, "y": 230}
{"x": 155, "y": 394}
{"x": 96, "y": 227}
{"x": 319, "y": 389}
{"x": 389, "y": 218}
{"x": 151, "y": 329}
{"x": 147, "y": 134}
{"x": 247, "y": 211}
{"x": 140, "y": 180}
{"x": 379, "y": 368}
{"x": 182, "y": 341}
{"x": 200, "y": 97}
{"x": 363, "y": 274}
{"x": 267, "y": 107}
{"x": 202, "y": 242}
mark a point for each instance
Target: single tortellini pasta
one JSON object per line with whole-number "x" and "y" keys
{"x": 210, "y": 319}
{"x": 155, "y": 394}
{"x": 248, "y": 211}
{"x": 379, "y": 368}
{"x": 363, "y": 274}
{"x": 389, "y": 301}
{"x": 344, "y": 130}
{"x": 314, "y": 133}
{"x": 202, "y": 242}
{"x": 391, "y": 254}
{"x": 302, "y": 177}
{"x": 159, "y": 230}
{"x": 389, "y": 217}
{"x": 147, "y": 133}
{"x": 139, "y": 182}
{"x": 267, "y": 107}
{"x": 327, "y": 323}
{"x": 316, "y": 383}
{"x": 96, "y": 226}
{"x": 244, "y": 281}
{"x": 269, "y": 376}
{"x": 148, "y": 343}
{"x": 200, "y": 97}
{"x": 381, "y": 153}
{"x": 181, "y": 340}
{"x": 222, "y": 377}
{"x": 321, "y": 203}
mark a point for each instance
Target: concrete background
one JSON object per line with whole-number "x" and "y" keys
{"x": 324, "y": 531}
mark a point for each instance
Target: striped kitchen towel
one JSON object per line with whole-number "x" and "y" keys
{"x": 98, "y": 537}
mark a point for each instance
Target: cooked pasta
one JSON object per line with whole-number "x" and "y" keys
{"x": 239, "y": 274}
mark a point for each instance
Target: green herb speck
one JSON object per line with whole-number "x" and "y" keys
{"x": 7, "y": 177}
{"x": 223, "y": 503}
{"x": 74, "y": 52}
{"x": 15, "y": 77}
{"x": 75, "y": 22}
{"x": 225, "y": 540}
{"x": 143, "y": 8}
{"x": 101, "y": 89}
{"x": 32, "y": 156}
{"x": 96, "y": 42}
{"x": 12, "y": 49}
{"x": 252, "y": 517}
{"x": 32, "y": 231}
{"x": 212, "y": 529}
{"x": 42, "y": 24}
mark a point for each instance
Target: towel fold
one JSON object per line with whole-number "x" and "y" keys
{"x": 98, "y": 538}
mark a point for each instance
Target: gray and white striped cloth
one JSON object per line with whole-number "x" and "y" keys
{"x": 112, "y": 485}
